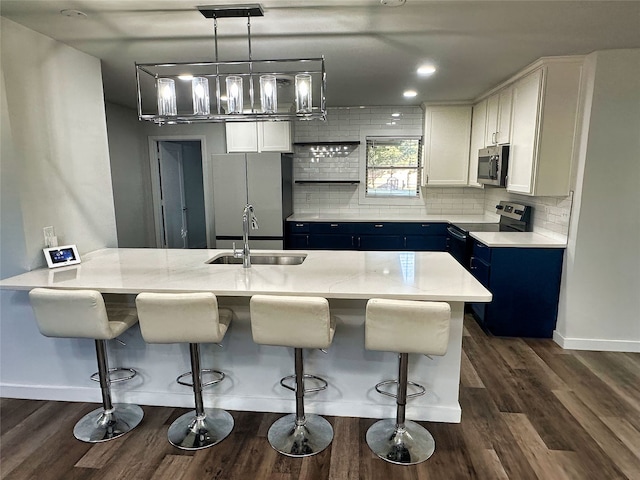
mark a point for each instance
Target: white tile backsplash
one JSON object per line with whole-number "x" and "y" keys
{"x": 551, "y": 214}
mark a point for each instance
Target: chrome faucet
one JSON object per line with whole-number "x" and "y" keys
{"x": 247, "y": 216}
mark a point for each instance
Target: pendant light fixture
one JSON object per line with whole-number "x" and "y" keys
{"x": 181, "y": 92}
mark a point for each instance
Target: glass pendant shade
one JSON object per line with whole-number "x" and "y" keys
{"x": 200, "y": 95}
{"x": 234, "y": 94}
{"x": 268, "y": 94}
{"x": 303, "y": 93}
{"x": 167, "y": 97}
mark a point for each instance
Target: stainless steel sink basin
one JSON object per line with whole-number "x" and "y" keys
{"x": 259, "y": 259}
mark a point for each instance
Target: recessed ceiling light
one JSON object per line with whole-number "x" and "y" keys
{"x": 73, "y": 14}
{"x": 426, "y": 70}
{"x": 186, "y": 76}
{"x": 410, "y": 93}
{"x": 396, "y": 114}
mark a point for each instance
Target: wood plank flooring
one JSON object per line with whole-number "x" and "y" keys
{"x": 530, "y": 410}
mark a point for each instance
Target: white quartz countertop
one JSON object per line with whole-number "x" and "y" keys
{"x": 391, "y": 217}
{"x": 518, "y": 239}
{"x": 331, "y": 274}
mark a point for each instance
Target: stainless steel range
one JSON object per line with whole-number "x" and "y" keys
{"x": 514, "y": 217}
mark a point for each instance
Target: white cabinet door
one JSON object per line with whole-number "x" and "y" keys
{"x": 274, "y": 136}
{"x": 524, "y": 129}
{"x": 493, "y": 105}
{"x": 258, "y": 137}
{"x": 499, "y": 117}
{"x": 478, "y": 128}
{"x": 446, "y": 144}
{"x": 503, "y": 133}
{"x": 241, "y": 137}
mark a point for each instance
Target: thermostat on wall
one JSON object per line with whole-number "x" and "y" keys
{"x": 61, "y": 256}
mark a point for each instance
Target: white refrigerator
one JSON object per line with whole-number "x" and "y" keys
{"x": 261, "y": 179}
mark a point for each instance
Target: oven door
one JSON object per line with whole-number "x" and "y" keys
{"x": 457, "y": 245}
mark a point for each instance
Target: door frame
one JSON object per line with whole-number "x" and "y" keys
{"x": 207, "y": 181}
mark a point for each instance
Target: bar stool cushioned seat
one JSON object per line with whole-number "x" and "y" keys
{"x": 84, "y": 314}
{"x": 297, "y": 322}
{"x": 192, "y": 318}
{"x": 405, "y": 327}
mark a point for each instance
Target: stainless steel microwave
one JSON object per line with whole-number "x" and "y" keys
{"x": 492, "y": 165}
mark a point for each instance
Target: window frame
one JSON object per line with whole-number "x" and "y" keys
{"x": 390, "y": 200}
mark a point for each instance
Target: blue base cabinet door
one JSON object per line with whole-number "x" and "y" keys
{"x": 525, "y": 283}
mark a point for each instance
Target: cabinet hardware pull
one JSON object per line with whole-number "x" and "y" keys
{"x": 379, "y": 225}
{"x": 333, "y": 225}
{"x": 299, "y": 224}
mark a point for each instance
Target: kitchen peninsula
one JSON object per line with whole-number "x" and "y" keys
{"x": 347, "y": 278}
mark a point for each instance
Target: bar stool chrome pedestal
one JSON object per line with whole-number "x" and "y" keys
{"x": 298, "y": 322}
{"x": 83, "y": 314}
{"x": 407, "y": 327}
{"x": 189, "y": 318}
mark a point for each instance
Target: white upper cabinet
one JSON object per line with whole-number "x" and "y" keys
{"x": 498, "y": 126}
{"x": 446, "y": 144}
{"x": 478, "y": 128}
{"x": 543, "y": 123}
{"x": 258, "y": 137}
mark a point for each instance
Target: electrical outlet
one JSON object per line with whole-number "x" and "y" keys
{"x": 50, "y": 239}
{"x": 308, "y": 197}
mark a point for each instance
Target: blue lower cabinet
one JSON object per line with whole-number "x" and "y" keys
{"x": 331, "y": 241}
{"x": 380, "y": 242}
{"x": 427, "y": 243}
{"x": 525, "y": 283}
{"x": 408, "y": 236}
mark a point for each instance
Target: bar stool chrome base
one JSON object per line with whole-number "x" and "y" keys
{"x": 405, "y": 446}
{"x": 290, "y": 438}
{"x": 101, "y": 425}
{"x": 189, "y": 432}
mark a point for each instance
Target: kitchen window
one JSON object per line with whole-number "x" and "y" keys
{"x": 393, "y": 166}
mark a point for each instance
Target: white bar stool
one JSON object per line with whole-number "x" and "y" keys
{"x": 83, "y": 314}
{"x": 405, "y": 327}
{"x": 297, "y": 322}
{"x": 191, "y": 318}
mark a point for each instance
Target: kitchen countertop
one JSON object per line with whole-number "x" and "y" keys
{"x": 391, "y": 217}
{"x": 518, "y": 239}
{"x": 331, "y": 274}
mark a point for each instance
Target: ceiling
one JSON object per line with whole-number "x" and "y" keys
{"x": 372, "y": 51}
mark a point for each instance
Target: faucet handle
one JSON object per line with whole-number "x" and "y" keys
{"x": 236, "y": 253}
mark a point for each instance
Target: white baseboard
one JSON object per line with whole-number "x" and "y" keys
{"x": 284, "y": 404}
{"x": 598, "y": 345}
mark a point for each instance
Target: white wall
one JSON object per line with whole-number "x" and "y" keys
{"x": 130, "y": 177}
{"x": 600, "y": 298}
{"x": 54, "y": 99}
{"x": 55, "y": 171}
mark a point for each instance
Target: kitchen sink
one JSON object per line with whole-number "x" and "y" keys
{"x": 259, "y": 259}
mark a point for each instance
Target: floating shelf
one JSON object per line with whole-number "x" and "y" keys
{"x": 339, "y": 182}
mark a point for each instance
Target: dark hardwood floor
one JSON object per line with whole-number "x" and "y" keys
{"x": 530, "y": 410}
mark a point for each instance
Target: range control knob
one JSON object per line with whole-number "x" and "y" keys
{"x": 499, "y": 207}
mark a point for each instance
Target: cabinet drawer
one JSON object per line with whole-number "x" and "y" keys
{"x": 298, "y": 227}
{"x": 380, "y": 242}
{"x": 480, "y": 270}
{"x": 331, "y": 227}
{"x": 481, "y": 251}
{"x": 426, "y": 243}
{"x": 331, "y": 242}
{"x": 380, "y": 228}
{"x": 425, "y": 228}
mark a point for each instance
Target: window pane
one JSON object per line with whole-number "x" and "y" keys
{"x": 393, "y": 167}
